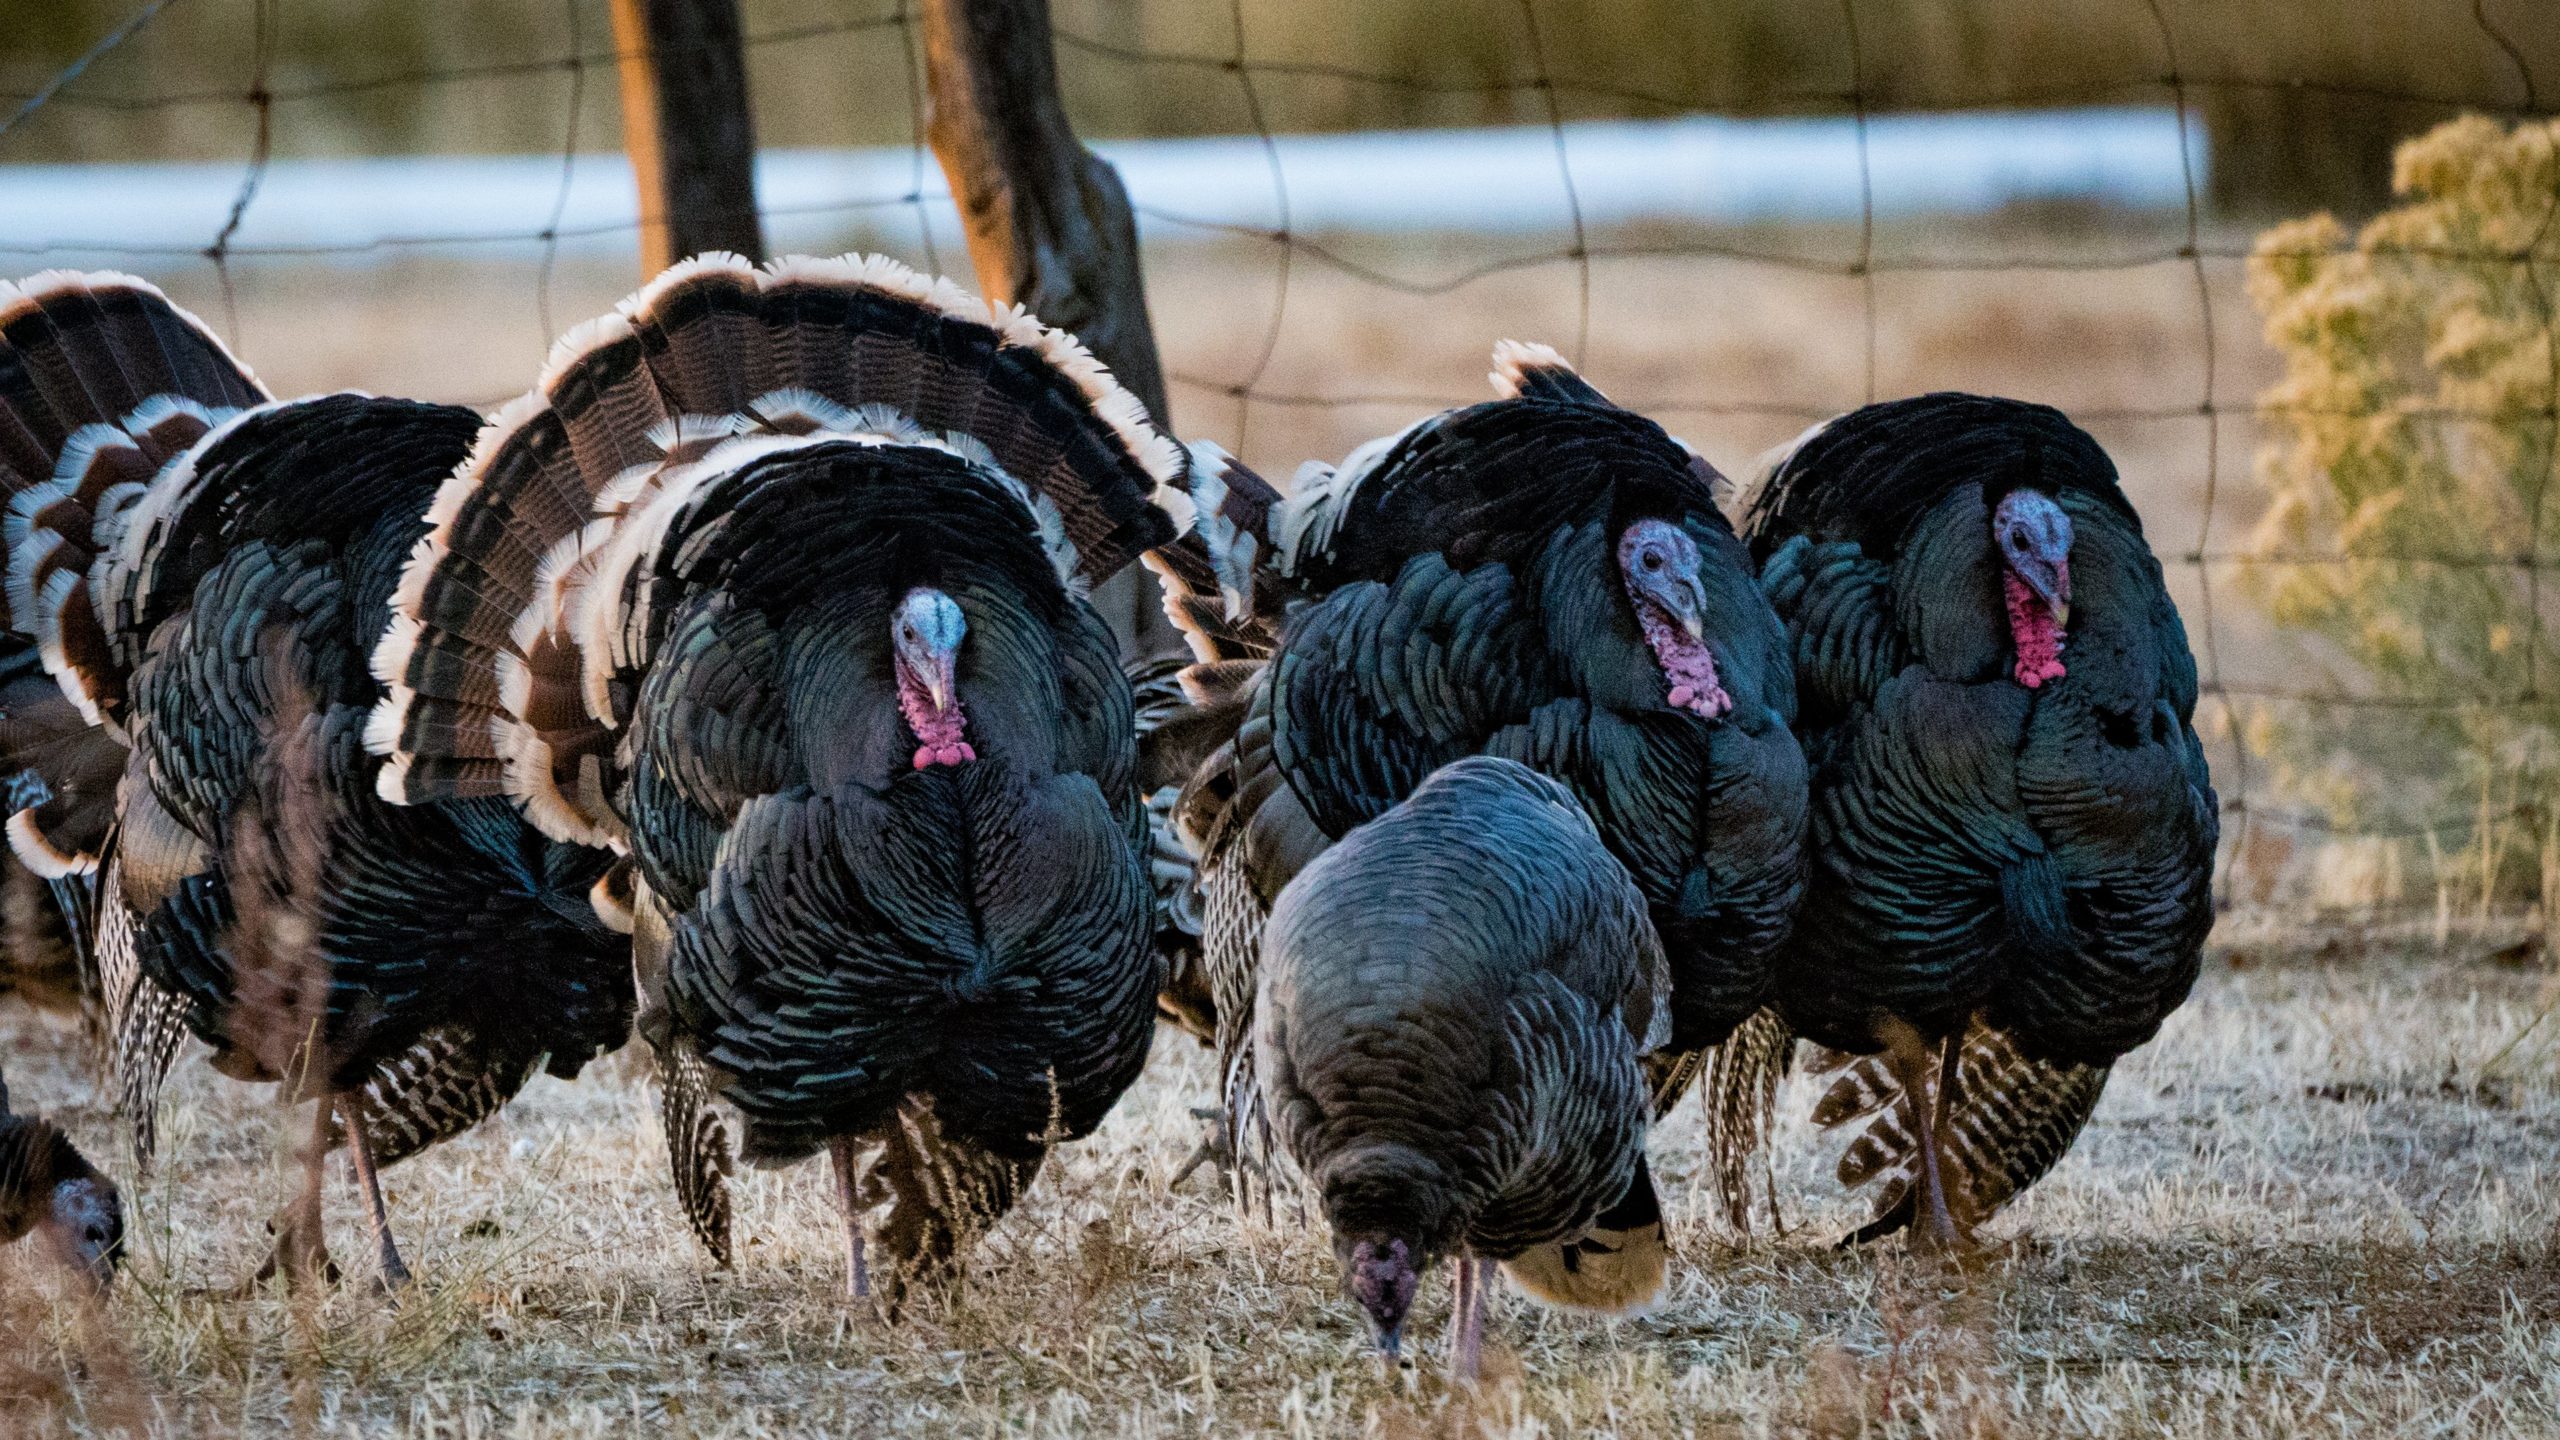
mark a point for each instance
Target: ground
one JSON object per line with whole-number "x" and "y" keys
{"x": 2322, "y": 1203}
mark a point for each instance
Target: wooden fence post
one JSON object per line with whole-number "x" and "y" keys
{"x": 1049, "y": 225}
{"x": 686, "y": 125}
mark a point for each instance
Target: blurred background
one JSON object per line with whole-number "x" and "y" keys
{"x": 2292, "y": 261}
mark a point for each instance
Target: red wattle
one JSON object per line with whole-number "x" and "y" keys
{"x": 1686, "y": 663}
{"x": 2031, "y": 629}
{"x": 937, "y": 732}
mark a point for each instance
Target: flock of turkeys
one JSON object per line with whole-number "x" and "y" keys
{"x": 738, "y": 686}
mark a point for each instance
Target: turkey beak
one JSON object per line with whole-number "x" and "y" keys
{"x": 1682, "y": 600}
{"x": 939, "y": 682}
{"x": 1692, "y": 611}
{"x": 2057, "y": 594}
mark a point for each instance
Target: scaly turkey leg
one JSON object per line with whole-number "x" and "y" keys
{"x": 1914, "y": 1063}
{"x": 857, "y": 1273}
{"x": 1466, "y": 1345}
{"x": 360, "y": 1150}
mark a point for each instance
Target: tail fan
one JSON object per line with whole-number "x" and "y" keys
{"x": 1616, "y": 1267}
{"x": 1524, "y": 370}
{"x": 487, "y": 693}
{"x": 2011, "y": 1119}
{"x": 1742, "y": 1078}
{"x": 697, "y": 1147}
{"x": 103, "y": 383}
{"x": 1220, "y": 586}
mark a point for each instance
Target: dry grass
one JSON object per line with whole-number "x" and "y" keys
{"x": 2304, "y": 1211}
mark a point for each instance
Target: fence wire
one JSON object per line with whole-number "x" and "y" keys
{"x": 1233, "y": 392}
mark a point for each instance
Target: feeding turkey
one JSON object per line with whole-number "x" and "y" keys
{"x": 204, "y": 571}
{"x": 50, "y": 1190}
{"x": 1451, "y": 1011}
{"x": 2013, "y": 826}
{"x": 1544, "y": 577}
{"x": 776, "y": 588}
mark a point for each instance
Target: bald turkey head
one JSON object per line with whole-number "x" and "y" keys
{"x": 925, "y": 635}
{"x": 1382, "y": 1272}
{"x": 2033, "y": 537}
{"x": 1658, "y": 563}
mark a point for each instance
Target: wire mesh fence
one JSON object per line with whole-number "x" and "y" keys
{"x": 2350, "y": 778}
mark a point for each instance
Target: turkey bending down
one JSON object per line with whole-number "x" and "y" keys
{"x": 2013, "y": 825}
{"x": 1544, "y": 577}
{"x": 48, "y": 1188}
{"x": 205, "y": 572}
{"x": 1452, "y": 1006}
{"x": 776, "y": 587}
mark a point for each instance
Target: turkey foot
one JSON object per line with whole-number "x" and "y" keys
{"x": 1935, "y": 1229}
{"x": 857, "y": 1272}
{"x": 1466, "y": 1319}
{"x": 1212, "y": 1151}
{"x": 395, "y": 1275}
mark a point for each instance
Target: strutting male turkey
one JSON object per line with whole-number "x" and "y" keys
{"x": 48, "y": 1189}
{"x": 2013, "y": 827}
{"x": 1452, "y": 1005}
{"x": 776, "y": 586}
{"x": 1543, "y": 577}
{"x": 204, "y": 572}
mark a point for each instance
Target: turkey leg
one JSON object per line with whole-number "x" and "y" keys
{"x": 1466, "y": 1318}
{"x": 1914, "y": 1064}
{"x": 857, "y": 1272}
{"x": 360, "y": 1150}
{"x": 300, "y": 1252}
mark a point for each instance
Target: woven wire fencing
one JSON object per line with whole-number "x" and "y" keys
{"x": 2376, "y": 692}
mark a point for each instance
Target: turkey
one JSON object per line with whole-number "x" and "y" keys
{"x": 2013, "y": 825}
{"x": 1451, "y": 1007}
{"x": 1544, "y": 577}
{"x": 775, "y": 587}
{"x": 204, "y": 572}
{"x": 48, "y": 1188}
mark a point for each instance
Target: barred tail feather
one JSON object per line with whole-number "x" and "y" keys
{"x": 1742, "y": 1078}
{"x": 145, "y": 1023}
{"x": 697, "y": 1146}
{"x": 2010, "y": 1119}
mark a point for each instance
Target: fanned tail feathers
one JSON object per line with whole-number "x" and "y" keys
{"x": 104, "y": 383}
{"x": 492, "y": 686}
{"x": 1220, "y": 588}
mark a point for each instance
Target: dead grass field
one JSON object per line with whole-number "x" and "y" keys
{"x": 2307, "y": 1210}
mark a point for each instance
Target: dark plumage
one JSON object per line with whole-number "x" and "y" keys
{"x": 206, "y": 573}
{"x": 2013, "y": 824}
{"x": 825, "y": 672}
{"x": 48, "y": 1188}
{"x": 1452, "y": 1005}
{"x": 1544, "y": 577}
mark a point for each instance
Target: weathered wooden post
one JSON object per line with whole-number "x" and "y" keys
{"x": 1049, "y": 225}
{"x": 686, "y": 125}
